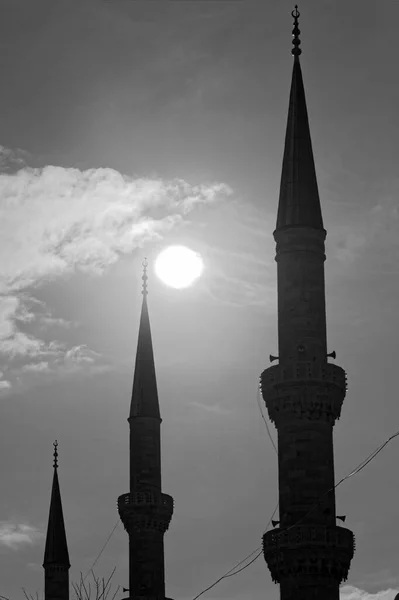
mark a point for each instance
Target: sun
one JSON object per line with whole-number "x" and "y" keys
{"x": 178, "y": 266}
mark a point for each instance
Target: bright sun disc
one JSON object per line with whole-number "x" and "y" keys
{"x": 178, "y": 266}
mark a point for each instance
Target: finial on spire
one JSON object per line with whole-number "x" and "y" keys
{"x": 145, "y": 277}
{"x": 55, "y": 464}
{"x": 296, "y": 51}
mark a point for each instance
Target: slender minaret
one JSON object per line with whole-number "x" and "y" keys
{"x": 56, "y": 558}
{"x": 145, "y": 512}
{"x": 308, "y": 554}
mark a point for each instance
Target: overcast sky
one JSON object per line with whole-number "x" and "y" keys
{"x": 125, "y": 127}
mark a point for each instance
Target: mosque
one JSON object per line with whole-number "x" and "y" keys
{"x": 306, "y": 552}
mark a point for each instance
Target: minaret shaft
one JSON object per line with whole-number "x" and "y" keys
{"x": 309, "y": 555}
{"x": 145, "y": 511}
{"x": 301, "y": 294}
{"x": 305, "y": 451}
{"x": 145, "y": 453}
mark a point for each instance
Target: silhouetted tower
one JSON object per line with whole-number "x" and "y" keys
{"x": 56, "y": 558}
{"x": 309, "y": 555}
{"x": 145, "y": 512}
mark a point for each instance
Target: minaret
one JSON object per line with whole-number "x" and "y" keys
{"x": 56, "y": 558}
{"x": 308, "y": 554}
{"x": 145, "y": 512}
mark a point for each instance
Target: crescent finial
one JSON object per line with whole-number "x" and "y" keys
{"x": 296, "y": 42}
{"x": 55, "y": 464}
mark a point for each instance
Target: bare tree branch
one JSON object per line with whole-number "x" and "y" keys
{"x": 101, "y": 589}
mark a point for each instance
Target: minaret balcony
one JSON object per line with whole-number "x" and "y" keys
{"x": 145, "y": 510}
{"x": 304, "y": 389}
{"x": 309, "y": 551}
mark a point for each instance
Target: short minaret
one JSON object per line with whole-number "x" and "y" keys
{"x": 308, "y": 554}
{"x": 56, "y": 558}
{"x": 145, "y": 512}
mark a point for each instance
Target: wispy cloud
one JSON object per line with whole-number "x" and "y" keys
{"x": 40, "y": 367}
{"x": 211, "y": 408}
{"x": 56, "y": 220}
{"x": 73, "y": 361}
{"x": 47, "y": 321}
{"x": 372, "y": 230}
{"x": 349, "y": 592}
{"x": 12, "y": 160}
{"x": 18, "y": 535}
{"x": 4, "y": 384}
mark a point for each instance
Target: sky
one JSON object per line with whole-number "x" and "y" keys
{"x": 128, "y": 126}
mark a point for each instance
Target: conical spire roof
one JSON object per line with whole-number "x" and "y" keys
{"x": 299, "y": 203}
{"x": 145, "y": 394}
{"x": 56, "y": 551}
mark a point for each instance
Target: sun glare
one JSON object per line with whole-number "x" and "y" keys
{"x": 178, "y": 266}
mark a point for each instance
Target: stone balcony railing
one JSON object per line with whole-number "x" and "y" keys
{"x": 304, "y": 388}
{"x": 146, "y": 510}
{"x": 145, "y": 498}
{"x": 306, "y": 371}
{"x": 315, "y": 550}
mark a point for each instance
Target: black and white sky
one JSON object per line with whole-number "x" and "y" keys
{"x": 127, "y": 126}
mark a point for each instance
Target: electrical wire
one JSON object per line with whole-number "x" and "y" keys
{"x": 230, "y": 574}
{"x": 355, "y": 471}
{"x": 264, "y": 420}
{"x": 102, "y": 550}
{"x": 245, "y": 566}
{"x": 259, "y": 550}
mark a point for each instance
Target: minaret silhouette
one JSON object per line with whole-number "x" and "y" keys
{"x": 56, "y": 558}
{"x": 309, "y": 555}
{"x": 145, "y": 512}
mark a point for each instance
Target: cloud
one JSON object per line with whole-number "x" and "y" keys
{"x": 211, "y": 408}
{"x": 78, "y": 356}
{"x": 57, "y": 220}
{"x": 73, "y": 361}
{"x": 17, "y": 535}
{"x": 367, "y": 233}
{"x": 54, "y": 220}
{"x": 346, "y": 241}
{"x": 349, "y": 592}
{"x": 15, "y": 343}
{"x": 41, "y": 367}
{"x": 12, "y": 160}
{"x": 49, "y": 321}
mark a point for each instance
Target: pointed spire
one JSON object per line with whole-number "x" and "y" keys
{"x": 299, "y": 203}
{"x": 56, "y": 551}
{"x": 145, "y": 394}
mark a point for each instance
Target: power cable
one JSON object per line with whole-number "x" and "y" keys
{"x": 259, "y": 550}
{"x": 229, "y": 574}
{"x": 102, "y": 550}
{"x": 264, "y": 420}
{"x": 355, "y": 471}
{"x": 245, "y": 566}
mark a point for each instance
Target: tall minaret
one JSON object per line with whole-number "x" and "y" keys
{"x": 56, "y": 558}
{"x": 309, "y": 555}
{"x": 145, "y": 512}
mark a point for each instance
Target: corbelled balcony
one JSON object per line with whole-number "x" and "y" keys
{"x": 305, "y": 389}
{"x": 145, "y": 510}
{"x": 316, "y": 550}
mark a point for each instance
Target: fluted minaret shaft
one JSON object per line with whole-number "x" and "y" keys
{"x": 309, "y": 555}
{"x": 145, "y": 512}
{"x": 56, "y": 557}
